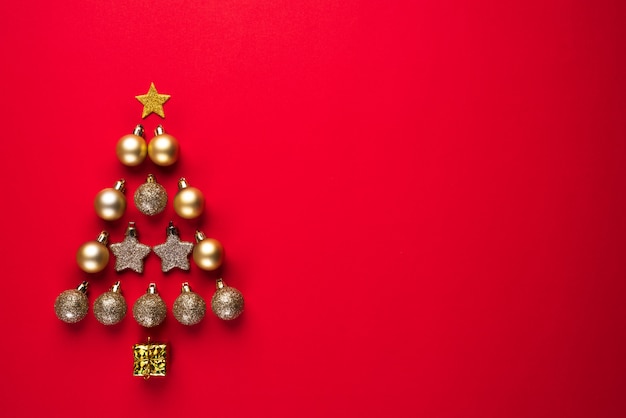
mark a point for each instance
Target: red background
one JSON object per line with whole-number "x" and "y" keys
{"x": 421, "y": 201}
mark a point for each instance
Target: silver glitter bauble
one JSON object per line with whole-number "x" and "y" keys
{"x": 189, "y": 308}
{"x": 227, "y": 302}
{"x": 149, "y": 310}
{"x": 72, "y": 305}
{"x": 150, "y": 197}
{"x": 110, "y": 307}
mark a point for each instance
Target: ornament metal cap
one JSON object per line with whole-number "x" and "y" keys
{"x": 120, "y": 185}
{"x": 182, "y": 183}
{"x": 139, "y": 131}
{"x": 131, "y": 231}
{"x": 103, "y": 238}
{"x": 172, "y": 230}
{"x": 116, "y": 287}
{"x": 150, "y": 178}
{"x": 152, "y": 290}
{"x": 159, "y": 130}
{"x": 185, "y": 288}
{"x": 83, "y": 286}
{"x": 200, "y": 236}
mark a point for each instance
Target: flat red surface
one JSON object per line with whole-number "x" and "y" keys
{"x": 422, "y": 203}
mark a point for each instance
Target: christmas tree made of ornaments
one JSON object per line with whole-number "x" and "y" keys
{"x": 150, "y": 198}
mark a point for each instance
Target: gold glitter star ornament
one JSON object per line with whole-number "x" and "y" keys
{"x": 150, "y": 197}
{"x": 153, "y": 102}
{"x": 129, "y": 254}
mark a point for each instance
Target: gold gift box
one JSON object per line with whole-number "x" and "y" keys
{"x": 149, "y": 359}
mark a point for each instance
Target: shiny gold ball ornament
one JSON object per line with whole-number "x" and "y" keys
{"x": 189, "y": 201}
{"x": 72, "y": 305}
{"x": 150, "y": 197}
{"x": 189, "y": 308}
{"x": 163, "y": 149}
{"x": 149, "y": 310}
{"x": 227, "y": 302}
{"x": 110, "y": 203}
{"x": 93, "y": 256}
{"x": 110, "y": 307}
{"x": 131, "y": 149}
{"x": 208, "y": 253}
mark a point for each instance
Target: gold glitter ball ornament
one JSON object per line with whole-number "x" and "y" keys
{"x": 189, "y": 201}
{"x": 93, "y": 256}
{"x": 149, "y": 310}
{"x": 150, "y": 197}
{"x": 132, "y": 149}
{"x": 110, "y": 203}
{"x": 189, "y": 308}
{"x": 163, "y": 149}
{"x": 208, "y": 253}
{"x": 110, "y": 307}
{"x": 72, "y": 305}
{"x": 227, "y": 302}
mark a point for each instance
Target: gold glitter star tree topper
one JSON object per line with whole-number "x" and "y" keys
{"x": 153, "y": 102}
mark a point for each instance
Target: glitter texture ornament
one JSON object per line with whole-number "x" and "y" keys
{"x": 110, "y": 203}
{"x": 149, "y": 310}
{"x": 152, "y": 102}
{"x": 132, "y": 149}
{"x": 129, "y": 254}
{"x": 163, "y": 149}
{"x": 189, "y": 308}
{"x": 110, "y": 307}
{"x": 173, "y": 252}
{"x": 72, "y": 305}
{"x": 227, "y": 302}
{"x": 93, "y": 256}
{"x": 189, "y": 201}
{"x": 208, "y": 253}
{"x": 150, "y": 197}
